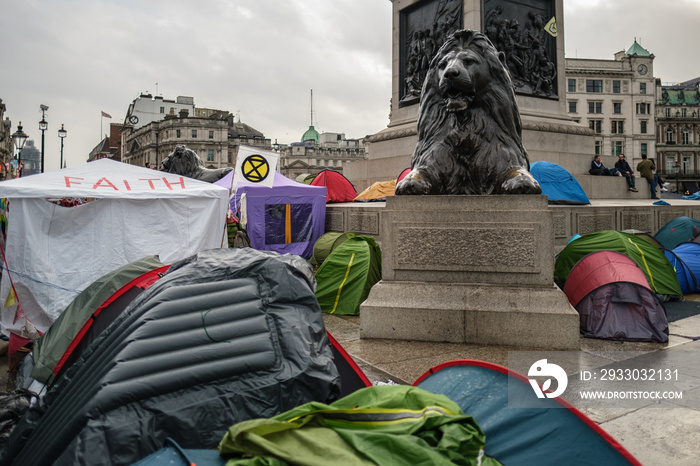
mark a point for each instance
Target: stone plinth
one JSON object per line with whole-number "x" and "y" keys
{"x": 469, "y": 269}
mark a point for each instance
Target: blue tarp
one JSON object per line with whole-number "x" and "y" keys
{"x": 558, "y": 184}
{"x": 685, "y": 259}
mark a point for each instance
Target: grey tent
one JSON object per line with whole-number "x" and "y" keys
{"x": 225, "y": 335}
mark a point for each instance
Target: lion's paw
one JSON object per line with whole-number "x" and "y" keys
{"x": 520, "y": 182}
{"x": 413, "y": 183}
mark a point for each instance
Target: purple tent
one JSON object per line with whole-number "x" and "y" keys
{"x": 287, "y": 218}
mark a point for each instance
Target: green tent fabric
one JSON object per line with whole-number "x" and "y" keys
{"x": 677, "y": 231}
{"x": 326, "y": 243}
{"x": 390, "y": 424}
{"x": 49, "y": 349}
{"x": 658, "y": 270}
{"x": 347, "y": 275}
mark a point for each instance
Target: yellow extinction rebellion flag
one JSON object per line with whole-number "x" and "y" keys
{"x": 255, "y": 166}
{"x": 551, "y": 26}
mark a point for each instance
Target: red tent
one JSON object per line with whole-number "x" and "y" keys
{"x": 403, "y": 174}
{"x": 338, "y": 188}
{"x": 613, "y": 299}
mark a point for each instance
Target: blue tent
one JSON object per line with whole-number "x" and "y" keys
{"x": 544, "y": 434}
{"x": 558, "y": 184}
{"x": 685, "y": 259}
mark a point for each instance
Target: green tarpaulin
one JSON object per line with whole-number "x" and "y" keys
{"x": 379, "y": 425}
{"x": 658, "y": 270}
{"x": 347, "y": 275}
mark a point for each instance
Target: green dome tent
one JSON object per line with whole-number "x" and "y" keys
{"x": 677, "y": 231}
{"x": 348, "y": 273}
{"x": 658, "y": 270}
{"x": 326, "y": 243}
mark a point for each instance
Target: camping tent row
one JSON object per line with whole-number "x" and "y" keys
{"x": 544, "y": 431}
{"x": 658, "y": 271}
{"x": 159, "y": 369}
{"x": 52, "y": 252}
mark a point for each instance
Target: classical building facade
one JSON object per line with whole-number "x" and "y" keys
{"x": 678, "y": 129}
{"x": 317, "y": 152}
{"x": 616, "y": 99}
{"x": 215, "y": 139}
{"x": 147, "y": 108}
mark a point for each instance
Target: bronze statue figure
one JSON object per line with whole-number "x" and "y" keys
{"x": 469, "y": 128}
{"x": 186, "y": 162}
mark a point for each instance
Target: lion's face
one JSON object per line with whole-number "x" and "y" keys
{"x": 461, "y": 75}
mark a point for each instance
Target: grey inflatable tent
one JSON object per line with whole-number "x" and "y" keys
{"x": 225, "y": 335}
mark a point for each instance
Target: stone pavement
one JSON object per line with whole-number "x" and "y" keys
{"x": 660, "y": 433}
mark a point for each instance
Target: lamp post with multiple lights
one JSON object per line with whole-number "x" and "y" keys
{"x": 19, "y": 137}
{"x": 43, "y": 126}
{"x": 62, "y": 133}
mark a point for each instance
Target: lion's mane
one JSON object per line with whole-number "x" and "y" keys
{"x": 470, "y": 151}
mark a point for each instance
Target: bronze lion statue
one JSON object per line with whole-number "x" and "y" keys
{"x": 186, "y": 162}
{"x": 469, "y": 128}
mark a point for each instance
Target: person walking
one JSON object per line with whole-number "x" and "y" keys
{"x": 646, "y": 170}
{"x": 624, "y": 168}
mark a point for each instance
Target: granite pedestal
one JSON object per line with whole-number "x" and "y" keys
{"x": 469, "y": 269}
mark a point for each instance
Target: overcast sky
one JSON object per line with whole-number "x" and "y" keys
{"x": 260, "y": 58}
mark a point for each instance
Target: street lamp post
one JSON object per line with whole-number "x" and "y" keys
{"x": 62, "y": 133}
{"x": 19, "y": 137}
{"x": 43, "y": 126}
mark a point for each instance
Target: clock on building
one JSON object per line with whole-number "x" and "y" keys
{"x": 133, "y": 119}
{"x": 642, "y": 69}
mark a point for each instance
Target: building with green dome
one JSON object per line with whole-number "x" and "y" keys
{"x": 616, "y": 100}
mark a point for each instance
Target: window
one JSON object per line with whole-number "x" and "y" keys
{"x": 596, "y": 125}
{"x": 686, "y": 164}
{"x": 594, "y": 85}
{"x": 177, "y": 133}
{"x": 617, "y": 148}
{"x": 686, "y": 136}
{"x": 572, "y": 85}
{"x": 211, "y": 134}
{"x": 669, "y": 136}
{"x": 162, "y": 109}
{"x": 643, "y": 109}
{"x": 667, "y": 112}
{"x": 642, "y": 88}
{"x": 210, "y": 155}
{"x": 228, "y": 159}
{"x": 644, "y": 148}
{"x": 670, "y": 162}
{"x": 595, "y": 107}
{"x": 643, "y": 126}
{"x": 616, "y": 87}
{"x": 572, "y": 107}
{"x": 617, "y": 107}
{"x": 598, "y": 147}
{"x": 194, "y": 134}
{"x": 684, "y": 112}
{"x": 617, "y": 127}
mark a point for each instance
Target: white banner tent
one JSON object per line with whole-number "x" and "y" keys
{"x": 53, "y": 252}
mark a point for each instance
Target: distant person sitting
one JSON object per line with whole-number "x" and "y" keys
{"x": 663, "y": 185}
{"x": 646, "y": 170}
{"x": 597, "y": 168}
{"x": 624, "y": 168}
